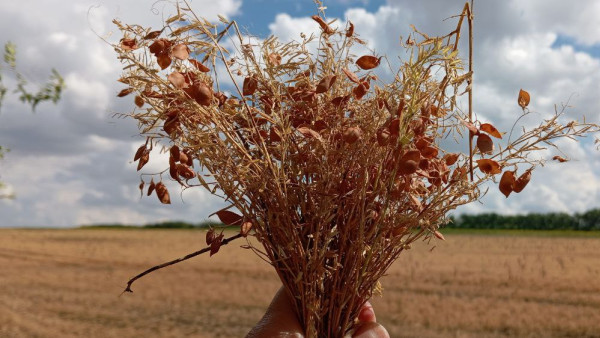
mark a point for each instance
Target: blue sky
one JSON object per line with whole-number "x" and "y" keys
{"x": 70, "y": 163}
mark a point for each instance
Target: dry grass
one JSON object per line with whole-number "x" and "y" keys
{"x": 66, "y": 283}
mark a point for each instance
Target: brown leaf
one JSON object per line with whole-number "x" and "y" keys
{"x": 181, "y": 51}
{"x": 485, "y": 144}
{"x": 450, "y": 159}
{"x": 367, "y": 62}
{"x": 340, "y": 101}
{"x": 199, "y": 66}
{"x": 383, "y": 136}
{"x": 274, "y": 135}
{"x": 250, "y": 86}
{"x": 162, "y": 193}
{"x": 409, "y": 163}
{"x": 177, "y": 80}
{"x": 308, "y": 133}
{"x": 325, "y": 83}
{"x": 125, "y": 92}
{"x": 141, "y": 186}
{"x": 143, "y": 159}
{"x": 210, "y": 236}
{"x": 559, "y": 159}
{"x": 471, "y": 127}
{"x": 350, "y": 30}
{"x": 507, "y": 183}
{"x": 429, "y": 152}
{"x": 245, "y": 228}
{"x": 128, "y": 44}
{"x": 139, "y": 101}
{"x": 324, "y": 26}
{"x": 151, "y": 187}
{"x": 489, "y": 167}
{"x": 160, "y": 47}
{"x": 352, "y": 134}
{"x": 351, "y": 76}
{"x": 359, "y": 91}
{"x": 523, "y": 99}
{"x": 488, "y": 128}
{"x": 522, "y": 181}
{"x": 216, "y": 244}
{"x": 200, "y": 92}
{"x": 229, "y": 218}
{"x": 152, "y": 35}
{"x": 139, "y": 152}
{"x": 173, "y": 172}
{"x": 163, "y": 60}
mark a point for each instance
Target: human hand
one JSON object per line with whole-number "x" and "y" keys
{"x": 280, "y": 321}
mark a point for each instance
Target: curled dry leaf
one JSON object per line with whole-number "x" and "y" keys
{"x": 523, "y": 99}
{"x": 229, "y": 217}
{"x": 125, "y": 92}
{"x": 485, "y": 144}
{"x": 162, "y": 193}
{"x": 308, "y": 133}
{"x": 559, "y": 159}
{"x": 489, "y": 167}
{"x": 215, "y": 245}
{"x": 367, "y": 62}
{"x": 324, "y": 26}
{"x": 250, "y": 86}
{"x": 164, "y": 61}
{"x": 181, "y": 51}
{"x": 522, "y": 181}
{"x": 383, "y": 136}
{"x": 210, "y": 236}
{"x": 507, "y": 182}
{"x": 141, "y": 187}
{"x": 152, "y": 35}
{"x": 359, "y": 91}
{"x": 490, "y": 129}
{"x": 409, "y": 163}
{"x": 200, "y": 92}
{"x": 199, "y": 66}
{"x": 325, "y": 83}
{"x": 128, "y": 44}
{"x": 450, "y": 159}
{"x": 351, "y": 76}
{"x": 350, "y": 30}
{"x": 245, "y": 228}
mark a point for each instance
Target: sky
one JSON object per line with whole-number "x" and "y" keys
{"x": 71, "y": 163}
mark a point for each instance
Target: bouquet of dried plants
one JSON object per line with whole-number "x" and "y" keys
{"x": 332, "y": 170}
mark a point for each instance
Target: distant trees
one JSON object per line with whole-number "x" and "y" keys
{"x": 589, "y": 220}
{"x": 49, "y": 91}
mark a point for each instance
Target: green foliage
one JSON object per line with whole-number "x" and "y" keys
{"x": 50, "y": 91}
{"x": 589, "y": 220}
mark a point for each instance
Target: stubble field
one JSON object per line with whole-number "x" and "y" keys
{"x": 66, "y": 283}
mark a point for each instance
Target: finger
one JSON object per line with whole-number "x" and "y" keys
{"x": 280, "y": 319}
{"x": 367, "y": 314}
{"x": 371, "y": 330}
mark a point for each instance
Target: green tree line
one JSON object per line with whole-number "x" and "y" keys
{"x": 589, "y": 220}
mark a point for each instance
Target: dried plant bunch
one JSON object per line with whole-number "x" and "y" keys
{"x": 334, "y": 171}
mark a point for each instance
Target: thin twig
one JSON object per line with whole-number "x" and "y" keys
{"x": 175, "y": 261}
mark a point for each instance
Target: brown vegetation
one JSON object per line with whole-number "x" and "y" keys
{"x": 66, "y": 283}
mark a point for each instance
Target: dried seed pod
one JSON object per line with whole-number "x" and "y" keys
{"x": 324, "y": 26}
{"x": 523, "y": 99}
{"x": 485, "y": 144}
{"x": 507, "y": 183}
{"x": 522, "y": 181}
{"x": 245, "y": 228}
{"x": 185, "y": 171}
{"x": 143, "y": 159}
{"x": 367, "y": 62}
{"x": 489, "y": 167}
{"x": 162, "y": 193}
{"x": 151, "y": 187}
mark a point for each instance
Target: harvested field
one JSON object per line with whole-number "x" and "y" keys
{"x": 66, "y": 283}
